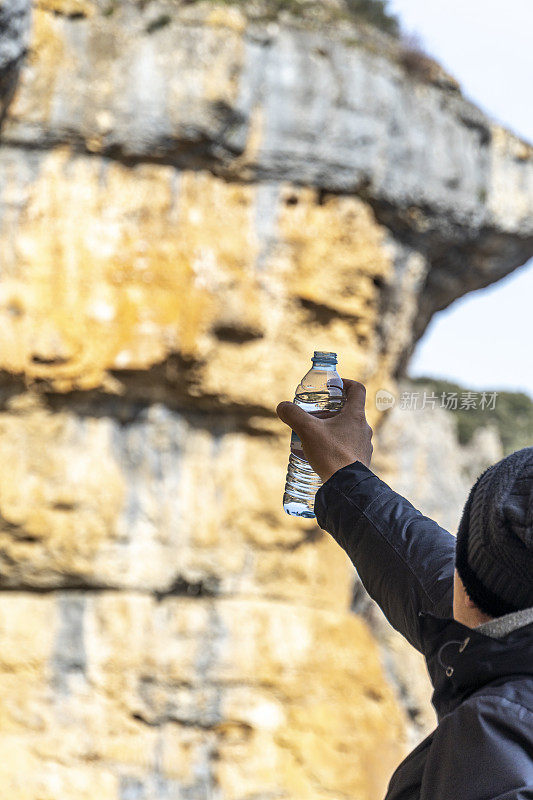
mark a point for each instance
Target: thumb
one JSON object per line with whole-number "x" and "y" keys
{"x": 295, "y": 417}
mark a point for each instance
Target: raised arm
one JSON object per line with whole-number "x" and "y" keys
{"x": 404, "y": 559}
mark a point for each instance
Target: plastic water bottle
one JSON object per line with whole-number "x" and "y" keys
{"x": 321, "y": 394}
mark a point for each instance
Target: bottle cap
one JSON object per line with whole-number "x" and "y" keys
{"x": 324, "y": 357}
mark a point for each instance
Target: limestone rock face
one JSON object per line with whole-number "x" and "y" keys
{"x": 419, "y": 454}
{"x": 14, "y": 29}
{"x": 191, "y": 203}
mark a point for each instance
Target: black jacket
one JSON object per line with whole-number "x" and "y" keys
{"x": 482, "y": 747}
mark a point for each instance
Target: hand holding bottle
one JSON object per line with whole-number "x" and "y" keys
{"x": 332, "y": 443}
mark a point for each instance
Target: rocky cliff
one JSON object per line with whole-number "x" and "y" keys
{"x": 191, "y": 202}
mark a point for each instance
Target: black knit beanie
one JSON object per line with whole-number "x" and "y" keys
{"x": 494, "y": 546}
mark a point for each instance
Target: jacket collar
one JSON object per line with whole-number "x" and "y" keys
{"x": 461, "y": 660}
{"x": 500, "y": 626}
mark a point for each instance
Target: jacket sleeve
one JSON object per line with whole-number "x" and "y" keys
{"x": 405, "y": 560}
{"x": 483, "y": 750}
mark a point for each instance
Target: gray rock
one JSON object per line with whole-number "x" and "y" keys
{"x": 14, "y": 31}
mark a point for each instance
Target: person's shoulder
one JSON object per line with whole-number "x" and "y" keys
{"x": 482, "y": 748}
{"x": 510, "y": 695}
{"x": 494, "y": 715}
{"x": 497, "y": 724}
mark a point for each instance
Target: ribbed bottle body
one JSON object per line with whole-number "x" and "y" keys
{"x": 321, "y": 394}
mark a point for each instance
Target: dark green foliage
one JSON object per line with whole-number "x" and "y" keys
{"x": 376, "y": 13}
{"x": 512, "y": 414}
{"x": 159, "y": 22}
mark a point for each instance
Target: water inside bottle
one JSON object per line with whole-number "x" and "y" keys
{"x": 319, "y": 404}
{"x": 302, "y": 481}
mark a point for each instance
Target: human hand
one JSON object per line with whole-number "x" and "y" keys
{"x": 334, "y": 442}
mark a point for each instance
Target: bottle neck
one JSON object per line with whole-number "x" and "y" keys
{"x": 324, "y": 365}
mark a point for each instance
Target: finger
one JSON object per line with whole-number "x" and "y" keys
{"x": 295, "y": 417}
{"x": 355, "y": 395}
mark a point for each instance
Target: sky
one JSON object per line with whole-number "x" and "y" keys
{"x": 486, "y": 45}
